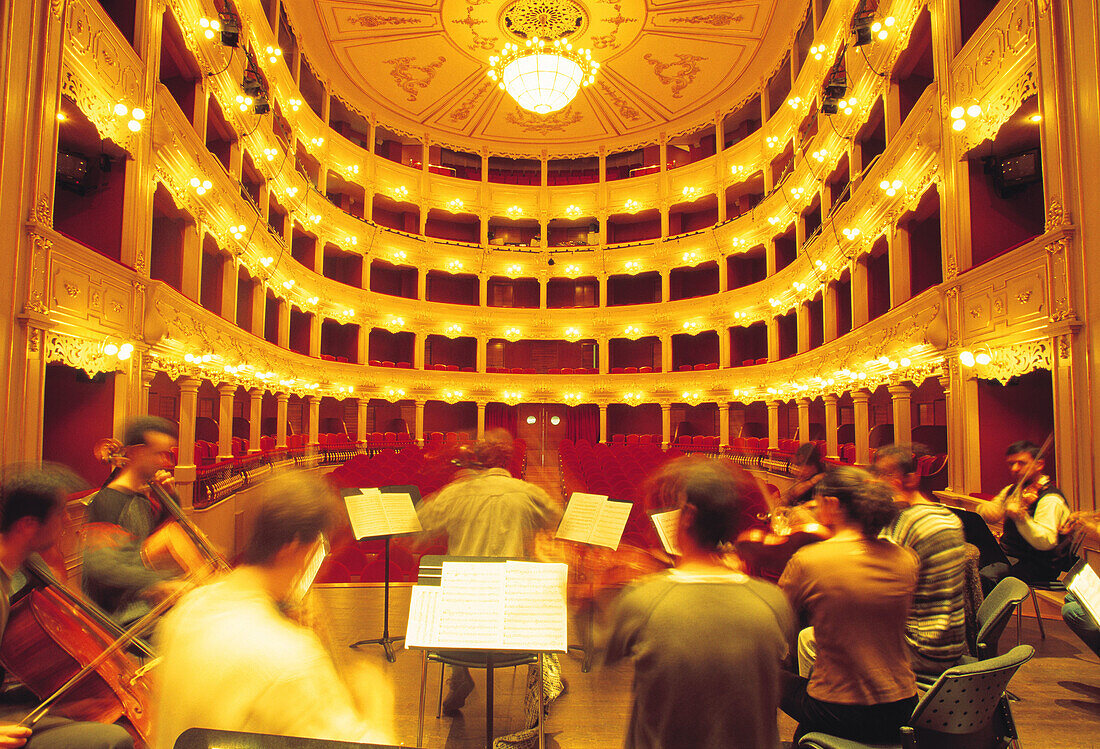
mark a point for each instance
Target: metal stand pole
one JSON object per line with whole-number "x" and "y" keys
{"x": 385, "y": 640}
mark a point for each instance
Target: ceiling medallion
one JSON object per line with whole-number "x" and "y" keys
{"x": 545, "y": 19}
{"x": 545, "y": 72}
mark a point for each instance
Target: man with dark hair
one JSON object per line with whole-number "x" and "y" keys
{"x": 233, "y": 660}
{"x": 32, "y": 504}
{"x": 707, "y": 640}
{"x": 936, "y": 629}
{"x": 121, "y": 517}
{"x": 1032, "y": 541}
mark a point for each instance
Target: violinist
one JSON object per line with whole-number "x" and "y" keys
{"x": 1038, "y": 511}
{"x": 234, "y": 660}
{"x": 1074, "y": 614}
{"x": 31, "y": 517}
{"x": 121, "y": 517}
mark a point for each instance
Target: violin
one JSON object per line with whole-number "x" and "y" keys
{"x": 766, "y": 551}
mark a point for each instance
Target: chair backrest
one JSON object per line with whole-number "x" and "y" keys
{"x": 964, "y": 699}
{"x": 995, "y": 613}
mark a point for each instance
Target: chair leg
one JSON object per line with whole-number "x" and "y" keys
{"x": 439, "y": 707}
{"x": 1018, "y": 625}
{"x": 1038, "y": 618}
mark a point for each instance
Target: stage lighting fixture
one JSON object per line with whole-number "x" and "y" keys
{"x": 861, "y": 25}
{"x": 836, "y": 87}
{"x": 251, "y": 84}
{"x": 260, "y": 105}
{"x": 829, "y": 106}
{"x": 231, "y": 28}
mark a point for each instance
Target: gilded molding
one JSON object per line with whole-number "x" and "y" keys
{"x": 1012, "y": 361}
{"x": 78, "y": 353}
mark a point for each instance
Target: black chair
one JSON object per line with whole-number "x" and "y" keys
{"x": 996, "y": 611}
{"x": 965, "y": 709}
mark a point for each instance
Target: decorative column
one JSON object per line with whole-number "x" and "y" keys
{"x": 185, "y": 463}
{"x": 259, "y": 309}
{"x": 666, "y": 423}
{"x": 900, "y": 283}
{"x": 603, "y": 363}
{"x": 832, "y": 447}
{"x": 281, "y": 400}
{"x": 481, "y": 353}
{"x": 861, "y": 402}
{"x": 362, "y": 404}
{"x": 225, "y": 420}
{"x": 418, "y": 421}
{"x": 228, "y": 302}
{"x": 147, "y": 376}
{"x": 860, "y": 293}
{"x": 420, "y": 342}
{"x": 480, "y": 419}
{"x": 315, "y": 335}
{"x": 666, "y": 284}
{"x": 803, "y": 419}
{"x": 773, "y": 425}
{"x": 829, "y": 312}
{"x": 773, "y": 339}
{"x": 724, "y": 423}
{"x": 422, "y": 284}
{"x": 284, "y": 324}
{"x": 604, "y": 436}
{"x": 724, "y": 347}
{"x": 191, "y": 263}
{"x": 314, "y": 404}
{"x": 255, "y": 419}
{"x": 603, "y": 289}
{"x": 803, "y": 330}
{"x": 901, "y": 399}
{"x": 666, "y": 352}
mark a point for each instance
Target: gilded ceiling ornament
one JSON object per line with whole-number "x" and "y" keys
{"x": 373, "y": 20}
{"x": 464, "y": 110}
{"x": 410, "y": 77}
{"x": 78, "y": 353}
{"x": 711, "y": 19}
{"x": 543, "y": 124}
{"x": 544, "y": 19}
{"x": 610, "y": 40}
{"x": 679, "y": 74}
{"x": 479, "y": 41}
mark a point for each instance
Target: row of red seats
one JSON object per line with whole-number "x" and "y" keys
{"x": 697, "y": 367}
{"x": 572, "y": 370}
{"x": 636, "y": 439}
{"x": 573, "y": 177}
{"x": 697, "y": 441}
{"x": 750, "y": 362}
{"x": 449, "y": 368}
{"x": 330, "y": 357}
{"x": 634, "y": 370}
{"x": 381, "y": 363}
{"x": 507, "y": 370}
{"x": 515, "y": 176}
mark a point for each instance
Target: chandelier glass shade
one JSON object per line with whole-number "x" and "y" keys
{"x": 542, "y": 76}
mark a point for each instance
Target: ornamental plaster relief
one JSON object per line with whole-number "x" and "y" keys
{"x": 78, "y": 353}
{"x": 1011, "y": 361}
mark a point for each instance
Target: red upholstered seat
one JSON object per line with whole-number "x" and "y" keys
{"x": 618, "y": 439}
{"x": 374, "y": 362}
{"x": 762, "y": 360}
{"x": 617, "y": 370}
{"x": 404, "y": 365}
{"x": 388, "y": 364}
{"x": 712, "y": 365}
{"x": 685, "y": 368}
{"x": 748, "y": 362}
{"x": 645, "y": 370}
{"x": 699, "y": 367}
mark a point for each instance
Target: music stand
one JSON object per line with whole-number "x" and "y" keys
{"x": 976, "y": 532}
{"x": 207, "y": 738}
{"x": 386, "y": 641}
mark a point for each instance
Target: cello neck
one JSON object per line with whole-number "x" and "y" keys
{"x": 197, "y": 536}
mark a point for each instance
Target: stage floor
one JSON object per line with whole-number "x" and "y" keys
{"x": 1059, "y": 689}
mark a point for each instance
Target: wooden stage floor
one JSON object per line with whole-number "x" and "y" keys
{"x": 1059, "y": 689}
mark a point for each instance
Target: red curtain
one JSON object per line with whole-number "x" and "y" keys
{"x": 583, "y": 423}
{"x": 501, "y": 416}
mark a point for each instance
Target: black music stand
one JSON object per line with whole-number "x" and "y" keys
{"x": 976, "y": 532}
{"x": 385, "y": 640}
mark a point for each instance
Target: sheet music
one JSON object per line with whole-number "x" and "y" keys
{"x": 608, "y": 530}
{"x": 667, "y": 524}
{"x": 1085, "y": 586}
{"x": 469, "y": 613}
{"x": 423, "y": 616}
{"x": 400, "y": 514}
{"x": 373, "y": 513}
{"x": 491, "y": 606}
{"x": 365, "y": 513}
{"x": 534, "y": 606}
{"x": 580, "y": 515}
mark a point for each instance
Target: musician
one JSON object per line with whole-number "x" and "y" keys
{"x": 233, "y": 660}
{"x": 32, "y": 502}
{"x": 121, "y": 517}
{"x": 936, "y": 629}
{"x": 486, "y": 512}
{"x": 810, "y": 467}
{"x": 1076, "y": 616}
{"x": 707, "y": 640}
{"x": 856, "y": 588}
{"x": 1037, "y": 510}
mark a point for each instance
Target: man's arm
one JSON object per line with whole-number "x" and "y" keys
{"x": 1041, "y": 531}
{"x": 993, "y": 511}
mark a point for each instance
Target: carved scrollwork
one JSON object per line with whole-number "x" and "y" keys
{"x": 78, "y": 353}
{"x": 1013, "y": 361}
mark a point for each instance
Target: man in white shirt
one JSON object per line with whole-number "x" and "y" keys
{"x": 1037, "y": 512}
{"x": 233, "y": 659}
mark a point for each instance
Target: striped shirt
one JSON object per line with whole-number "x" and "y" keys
{"x": 936, "y": 628}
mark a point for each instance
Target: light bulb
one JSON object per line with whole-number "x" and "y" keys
{"x": 957, "y": 112}
{"x": 121, "y": 109}
{"x": 967, "y": 358}
{"x": 974, "y": 110}
{"x": 983, "y": 358}
{"x": 110, "y": 349}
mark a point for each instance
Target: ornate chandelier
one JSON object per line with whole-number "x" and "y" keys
{"x": 543, "y": 76}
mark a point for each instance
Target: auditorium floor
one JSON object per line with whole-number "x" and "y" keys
{"x": 1059, "y": 689}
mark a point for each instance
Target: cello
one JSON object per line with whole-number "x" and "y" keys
{"x": 67, "y": 652}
